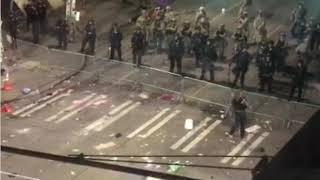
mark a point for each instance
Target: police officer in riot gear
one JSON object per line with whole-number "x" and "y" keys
{"x": 12, "y": 25}
{"x": 240, "y": 39}
{"x": 138, "y": 44}
{"x": 314, "y": 42}
{"x": 242, "y": 61}
{"x": 62, "y": 30}
{"x": 221, "y": 41}
{"x": 89, "y": 37}
{"x": 197, "y": 42}
{"x": 298, "y": 79}
{"x": 281, "y": 51}
{"x": 175, "y": 53}
{"x": 115, "y": 38}
{"x": 42, "y": 7}
{"x": 208, "y": 57}
{"x": 186, "y": 35}
{"x": 266, "y": 71}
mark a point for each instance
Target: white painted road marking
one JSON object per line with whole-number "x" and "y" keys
{"x": 152, "y": 120}
{"x": 201, "y": 136}
{"x": 104, "y": 146}
{"x": 37, "y": 102}
{"x": 118, "y": 108}
{"x": 190, "y": 133}
{"x": 72, "y": 113}
{"x": 253, "y": 146}
{"x": 69, "y": 108}
{"x": 161, "y": 123}
{"x": 37, "y": 108}
{"x": 238, "y": 148}
{"x": 113, "y": 119}
{"x": 18, "y": 176}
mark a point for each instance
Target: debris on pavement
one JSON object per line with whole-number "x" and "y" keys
{"x": 174, "y": 168}
{"x": 26, "y": 91}
{"x": 104, "y": 146}
{"x": 253, "y": 129}
{"x": 72, "y": 173}
{"x": 23, "y": 131}
{"x": 168, "y": 97}
{"x": 144, "y": 95}
{"x": 188, "y": 124}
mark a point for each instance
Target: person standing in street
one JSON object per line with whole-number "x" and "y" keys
{"x": 62, "y": 30}
{"x": 12, "y": 25}
{"x": 239, "y": 106}
{"x": 266, "y": 71}
{"x": 89, "y": 37}
{"x": 209, "y": 56}
{"x": 115, "y": 38}
{"x": 42, "y": 7}
{"x": 138, "y": 44}
{"x": 197, "y": 42}
{"x": 242, "y": 61}
{"x": 298, "y": 79}
{"x": 175, "y": 53}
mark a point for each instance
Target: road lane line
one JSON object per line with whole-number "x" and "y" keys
{"x": 236, "y": 149}
{"x": 161, "y": 123}
{"x": 56, "y": 98}
{"x": 69, "y": 108}
{"x": 121, "y": 106}
{"x": 149, "y": 122}
{"x": 113, "y": 119}
{"x": 72, "y": 113}
{"x": 18, "y": 175}
{"x": 201, "y": 136}
{"x": 252, "y": 147}
{"x": 37, "y": 102}
{"x": 190, "y": 133}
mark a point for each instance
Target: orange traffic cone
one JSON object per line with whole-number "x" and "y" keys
{"x": 6, "y": 108}
{"x": 7, "y": 86}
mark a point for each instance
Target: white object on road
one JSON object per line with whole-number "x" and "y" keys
{"x": 253, "y": 129}
{"x": 223, "y": 11}
{"x": 188, "y": 124}
{"x": 104, "y": 146}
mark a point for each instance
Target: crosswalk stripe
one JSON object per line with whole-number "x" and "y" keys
{"x": 121, "y": 106}
{"x": 190, "y": 133}
{"x": 104, "y": 146}
{"x": 238, "y": 148}
{"x": 248, "y": 151}
{"x": 56, "y": 98}
{"x": 149, "y": 122}
{"x": 72, "y": 113}
{"x": 69, "y": 108}
{"x": 161, "y": 123}
{"x": 37, "y": 102}
{"x": 105, "y": 124}
{"x": 201, "y": 136}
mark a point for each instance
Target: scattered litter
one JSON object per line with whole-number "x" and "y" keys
{"x": 221, "y": 111}
{"x": 253, "y": 129}
{"x": 115, "y": 159}
{"x": 144, "y": 95}
{"x": 77, "y": 119}
{"x": 35, "y": 92}
{"x": 175, "y": 167}
{"x": 200, "y": 154}
{"x": 26, "y": 91}
{"x": 118, "y": 135}
{"x": 72, "y": 173}
{"x": 104, "y": 146}
{"x": 168, "y": 97}
{"x": 188, "y": 124}
{"x": 23, "y": 131}
{"x": 75, "y": 150}
{"x": 12, "y": 135}
{"x": 232, "y": 141}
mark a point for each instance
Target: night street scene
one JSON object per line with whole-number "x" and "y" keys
{"x": 160, "y": 89}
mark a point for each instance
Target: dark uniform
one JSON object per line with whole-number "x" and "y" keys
{"x": 314, "y": 42}
{"x": 138, "y": 43}
{"x": 298, "y": 79}
{"x": 221, "y": 41}
{"x": 175, "y": 53}
{"x": 187, "y": 34}
{"x": 62, "y": 30}
{"x": 12, "y": 25}
{"x": 197, "y": 42}
{"x": 240, "y": 117}
{"x": 240, "y": 39}
{"x": 299, "y": 21}
{"x": 89, "y": 36}
{"x": 33, "y": 19}
{"x": 42, "y": 7}
{"x": 266, "y": 70}
{"x": 242, "y": 61}
{"x": 115, "y": 38}
{"x": 158, "y": 34}
{"x": 209, "y": 56}
{"x": 281, "y": 51}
